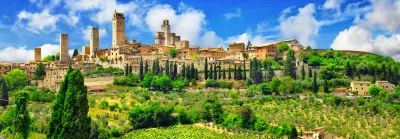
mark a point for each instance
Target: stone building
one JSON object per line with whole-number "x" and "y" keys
{"x": 266, "y": 50}
{"x": 64, "y": 58}
{"x": 361, "y": 88}
{"x": 86, "y": 50}
{"x": 118, "y": 29}
{"x": 385, "y": 85}
{"x": 212, "y": 53}
{"x": 94, "y": 41}
{"x": 165, "y": 36}
{"x": 38, "y": 54}
{"x": 235, "y": 51}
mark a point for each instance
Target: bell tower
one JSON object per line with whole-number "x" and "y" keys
{"x": 118, "y": 29}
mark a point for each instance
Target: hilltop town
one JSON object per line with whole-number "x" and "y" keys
{"x": 172, "y": 89}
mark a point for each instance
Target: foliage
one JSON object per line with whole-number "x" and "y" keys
{"x": 40, "y": 95}
{"x": 69, "y": 118}
{"x": 290, "y": 64}
{"x": 75, "y": 53}
{"x": 48, "y": 58}
{"x": 282, "y": 47}
{"x": 173, "y": 52}
{"x": 219, "y": 84}
{"x": 130, "y": 80}
{"x": 147, "y": 79}
{"x": 15, "y": 79}
{"x": 22, "y": 120}
{"x": 161, "y": 83}
{"x": 109, "y": 70}
{"x": 40, "y": 72}
{"x": 151, "y": 116}
{"x": 4, "y": 97}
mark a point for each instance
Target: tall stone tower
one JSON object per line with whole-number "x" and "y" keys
{"x": 38, "y": 54}
{"x": 166, "y": 28}
{"x": 118, "y": 29}
{"x": 64, "y": 48}
{"x": 94, "y": 41}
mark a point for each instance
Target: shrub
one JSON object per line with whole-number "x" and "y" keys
{"x": 234, "y": 94}
{"x": 103, "y": 104}
{"x": 265, "y": 88}
{"x": 219, "y": 84}
{"x": 114, "y": 107}
{"x": 151, "y": 116}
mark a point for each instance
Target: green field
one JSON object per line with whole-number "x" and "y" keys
{"x": 185, "y": 132}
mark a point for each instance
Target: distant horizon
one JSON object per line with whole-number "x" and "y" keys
{"x": 369, "y": 25}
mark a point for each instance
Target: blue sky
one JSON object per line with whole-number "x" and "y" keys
{"x": 366, "y": 25}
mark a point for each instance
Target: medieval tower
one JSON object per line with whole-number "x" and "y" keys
{"x": 38, "y": 54}
{"x": 165, "y": 36}
{"x": 94, "y": 40}
{"x": 64, "y": 48}
{"x": 118, "y": 29}
{"x": 166, "y": 28}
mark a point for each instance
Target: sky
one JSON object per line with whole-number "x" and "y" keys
{"x": 363, "y": 25}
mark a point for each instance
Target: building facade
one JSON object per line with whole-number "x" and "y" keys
{"x": 64, "y": 58}
{"x": 165, "y": 37}
{"x": 38, "y": 54}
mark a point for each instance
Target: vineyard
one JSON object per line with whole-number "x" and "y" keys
{"x": 186, "y": 132}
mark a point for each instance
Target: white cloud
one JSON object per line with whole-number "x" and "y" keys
{"x": 333, "y": 4}
{"x": 187, "y": 22}
{"x": 360, "y": 39}
{"x": 210, "y": 39}
{"x": 42, "y": 4}
{"x": 302, "y": 26}
{"x": 86, "y": 33}
{"x": 350, "y": 11}
{"x": 385, "y": 15}
{"x": 245, "y": 37}
{"x": 101, "y": 11}
{"x": 43, "y": 21}
{"x": 237, "y": 13}
{"x": 22, "y": 54}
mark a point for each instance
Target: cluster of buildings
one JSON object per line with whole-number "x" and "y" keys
{"x": 360, "y": 88}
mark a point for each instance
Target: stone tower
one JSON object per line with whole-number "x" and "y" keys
{"x": 38, "y": 54}
{"x": 118, "y": 29}
{"x": 94, "y": 41}
{"x": 166, "y": 28}
{"x": 64, "y": 48}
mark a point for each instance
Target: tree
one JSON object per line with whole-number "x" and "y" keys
{"x": 173, "y": 52}
{"x": 48, "y": 58}
{"x": 219, "y": 71}
{"x": 161, "y": 83}
{"x": 374, "y": 90}
{"x": 270, "y": 74}
{"x": 146, "y": 67}
{"x": 248, "y": 45}
{"x": 245, "y": 56}
{"x": 223, "y": 74}
{"x": 349, "y": 70}
{"x": 315, "y": 84}
{"x": 183, "y": 72}
{"x": 22, "y": 121}
{"x": 141, "y": 73}
{"x": 290, "y": 65}
{"x": 167, "y": 67}
{"x": 239, "y": 72}
{"x": 326, "y": 86}
{"x": 130, "y": 69}
{"x": 287, "y": 85}
{"x": 57, "y": 56}
{"x": 229, "y": 72}
{"x": 309, "y": 72}
{"x": 210, "y": 74}
{"x": 74, "y": 121}
{"x": 205, "y": 70}
{"x": 146, "y": 82}
{"x": 293, "y": 133}
{"x": 126, "y": 72}
{"x": 40, "y": 71}
{"x": 195, "y": 57}
{"x": 308, "y": 48}
{"x": 192, "y": 71}
{"x": 55, "y": 124}
{"x": 15, "y": 79}
{"x": 247, "y": 115}
{"x": 327, "y": 72}
{"x": 197, "y": 75}
{"x": 4, "y": 95}
{"x": 179, "y": 85}
{"x": 303, "y": 72}
{"x": 282, "y": 47}
{"x": 215, "y": 72}
{"x": 174, "y": 72}
{"x": 75, "y": 53}
{"x": 235, "y": 73}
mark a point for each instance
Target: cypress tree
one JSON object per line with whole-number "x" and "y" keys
{"x": 153, "y": 68}
{"x": 4, "y": 95}
{"x": 290, "y": 65}
{"x": 75, "y": 119}
{"x": 215, "y": 72}
{"x": 223, "y": 74}
{"x": 197, "y": 75}
{"x": 141, "y": 74}
{"x": 303, "y": 72}
{"x": 22, "y": 121}
{"x": 126, "y": 69}
{"x": 167, "y": 68}
{"x": 210, "y": 74}
{"x": 192, "y": 72}
{"x": 219, "y": 71}
{"x": 183, "y": 72}
{"x": 171, "y": 69}
{"x": 239, "y": 72}
{"x": 146, "y": 67}
{"x": 206, "y": 70}
{"x": 188, "y": 73}
{"x": 309, "y": 72}
{"x": 175, "y": 72}
{"x": 130, "y": 69}
{"x": 348, "y": 70}
{"x": 55, "y": 124}
{"x": 326, "y": 86}
{"x": 315, "y": 85}
{"x": 270, "y": 74}
{"x": 235, "y": 73}
{"x": 229, "y": 72}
